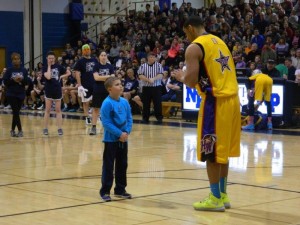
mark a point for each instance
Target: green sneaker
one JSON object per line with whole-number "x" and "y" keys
{"x": 225, "y": 200}
{"x": 210, "y": 204}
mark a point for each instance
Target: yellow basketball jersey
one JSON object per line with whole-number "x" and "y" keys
{"x": 217, "y": 73}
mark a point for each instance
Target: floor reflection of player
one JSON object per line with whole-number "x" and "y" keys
{"x": 190, "y": 150}
{"x": 53, "y": 153}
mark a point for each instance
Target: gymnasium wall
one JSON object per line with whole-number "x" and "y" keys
{"x": 11, "y": 28}
{"x": 55, "y": 24}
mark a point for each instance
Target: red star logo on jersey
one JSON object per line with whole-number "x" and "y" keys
{"x": 223, "y": 60}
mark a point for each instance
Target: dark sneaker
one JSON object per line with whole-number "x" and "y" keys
{"x": 20, "y": 134}
{"x": 144, "y": 121}
{"x": 45, "y": 131}
{"x": 93, "y": 131}
{"x": 13, "y": 133}
{"x": 60, "y": 131}
{"x": 106, "y": 198}
{"x": 124, "y": 195}
{"x": 159, "y": 122}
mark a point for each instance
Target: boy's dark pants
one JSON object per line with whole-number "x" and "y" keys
{"x": 114, "y": 152}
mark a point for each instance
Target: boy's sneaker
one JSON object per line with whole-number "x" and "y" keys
{"x": 210, "y": 204}
{"x": 93, "y": 131}
{"x": 7, "y": 107}
{"x": 88, "y": 121}
{"x": 270, "y": 126}
{"x": 45, "y": 131}
{"x": 1, "y": 106}
{"x": 13, "y": 133}
{"x": 20, "y": 134}
{"x": 60, "y": 131}
{"x": 248, "y": 127}
{"x": 106, "y": 198}
{"x": 124, "y": 195}
{"x": 226, "y": 200}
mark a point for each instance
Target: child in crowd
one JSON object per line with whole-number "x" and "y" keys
{"x": 117, "y": 122}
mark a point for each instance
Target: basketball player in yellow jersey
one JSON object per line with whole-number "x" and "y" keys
{"x": 261, "y": 86}
{"x": 210, "y": 69}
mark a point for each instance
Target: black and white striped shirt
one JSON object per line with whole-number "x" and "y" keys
{"x": 151, "y": 71}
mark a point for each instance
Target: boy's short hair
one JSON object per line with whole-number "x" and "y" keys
{"x": 109, "y": 82}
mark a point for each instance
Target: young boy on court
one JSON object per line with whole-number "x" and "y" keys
{"x": 117, "y": 123}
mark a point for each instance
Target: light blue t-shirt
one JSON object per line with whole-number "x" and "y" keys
{"x": 116, "y": 118}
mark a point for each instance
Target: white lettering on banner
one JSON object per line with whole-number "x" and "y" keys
{"x": 191, "y": 99}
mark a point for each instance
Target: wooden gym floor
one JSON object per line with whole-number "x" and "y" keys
{"x": 55, "y": 180}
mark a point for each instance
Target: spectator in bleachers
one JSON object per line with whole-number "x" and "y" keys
{"x": 258, "y": 63}
{"x": 283, "y": 70}
{"x": 291, "y": 69}
{"x": 294, "y": 19}
{"x": 148, "y": 11}
{"x": 268, "y": 53}
{"x": 296, "y": 59}
{"x": 287, "y": 5}
{"x": 258, "y": 39}
{"x": 174, "y": 9}
{"x": 139, "y": 46}
{"x": 251, "y": 55}
{"x": 131, "y": 85}
{"x": 114, "y": 52}
{"x": 37, "y": 94}
{"x": 270, "y": 69}
{"x": 69, "y": 91}
{"x": 282, "y": 48}
{"x": 239, "y": 62}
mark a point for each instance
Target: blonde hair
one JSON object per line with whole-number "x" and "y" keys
{"x": 109, "y": 82}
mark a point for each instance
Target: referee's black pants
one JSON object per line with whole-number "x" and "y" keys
{"x": 152, "y": 94}
{"x": 114, "y": 156}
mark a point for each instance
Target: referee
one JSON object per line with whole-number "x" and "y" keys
{"x": 151, "y": 74}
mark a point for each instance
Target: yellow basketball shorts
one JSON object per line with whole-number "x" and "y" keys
{"x": 263, "y": 88}
{"x": 219, "y": 129}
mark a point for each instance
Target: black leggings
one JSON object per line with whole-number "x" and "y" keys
{"x": 16, "y": 104}
{"x": 251, "y": 107}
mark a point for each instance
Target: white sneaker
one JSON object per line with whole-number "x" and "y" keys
{"x": 88, "y": 121}
{"x": 1, "y": 106}
{"x": 41, "y": 107}
{"x": 7, "y": 107}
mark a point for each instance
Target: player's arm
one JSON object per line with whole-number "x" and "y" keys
{"x": 47, "y": 74}
{"x": 193, "y": 56}
{"x": 97, "y": 77}
{"x": 78, "y": 78}
{"x": 68, "y": 73}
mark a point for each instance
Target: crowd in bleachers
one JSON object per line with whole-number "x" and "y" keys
{"x": 260, "y": 35}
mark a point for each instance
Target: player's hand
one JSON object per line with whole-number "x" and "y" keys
{"x": 123, "y": 137}
{"x": 179, "y": 75}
